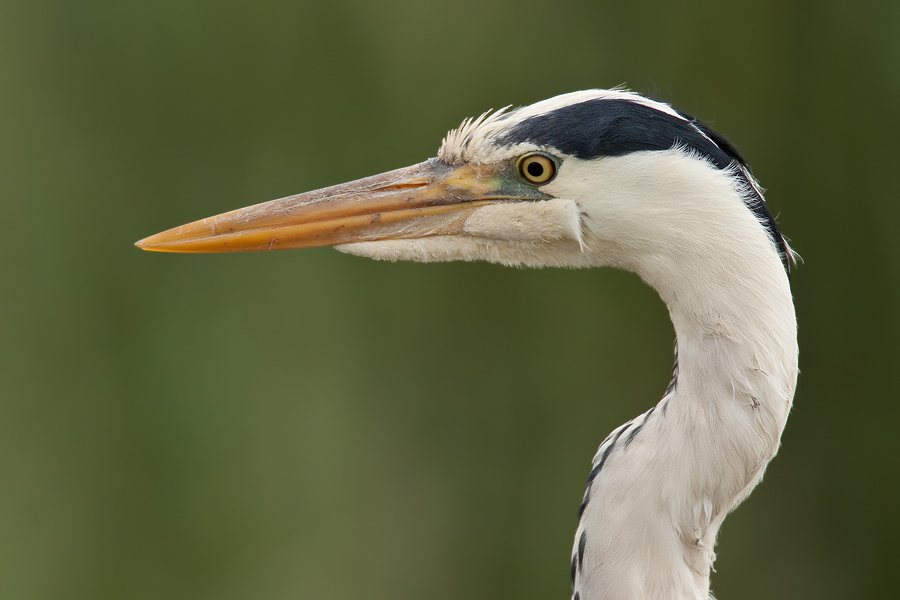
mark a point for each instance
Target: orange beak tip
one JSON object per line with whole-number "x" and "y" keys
{"x": 147, "y": 244}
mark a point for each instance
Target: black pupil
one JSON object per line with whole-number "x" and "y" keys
{"x": 535, "y": 169}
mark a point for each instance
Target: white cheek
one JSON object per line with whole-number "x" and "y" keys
{"x": 544, "y": 233}
{"x": 527, "y": 222}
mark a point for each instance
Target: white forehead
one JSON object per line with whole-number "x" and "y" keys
{"x": 470, "y": 142}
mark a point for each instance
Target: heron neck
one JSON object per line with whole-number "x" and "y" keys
{"x": 737, "y": 371}
{"x": 663, "y": 483}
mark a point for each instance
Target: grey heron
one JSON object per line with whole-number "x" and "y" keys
{"x": 588, "y": 179}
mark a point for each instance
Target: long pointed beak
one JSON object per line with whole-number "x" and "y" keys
{"x": 427, "y": 199}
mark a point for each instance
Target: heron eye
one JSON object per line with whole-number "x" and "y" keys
{"x": 537, "y": 168}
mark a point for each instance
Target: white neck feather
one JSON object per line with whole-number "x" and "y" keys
{"x": 656, "y": 503}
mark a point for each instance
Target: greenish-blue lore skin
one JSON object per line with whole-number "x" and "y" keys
{"x": 506, "y": 184}
{"x": 509, "y": 182}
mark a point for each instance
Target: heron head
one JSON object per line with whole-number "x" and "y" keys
{"x": 543, "y": 185}
{"x": 479, "y": 199}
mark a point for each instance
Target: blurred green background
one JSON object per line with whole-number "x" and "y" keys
{"x": 307, "y": 424}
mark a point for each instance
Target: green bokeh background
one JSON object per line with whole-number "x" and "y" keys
{"x": 307, "y": 424}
